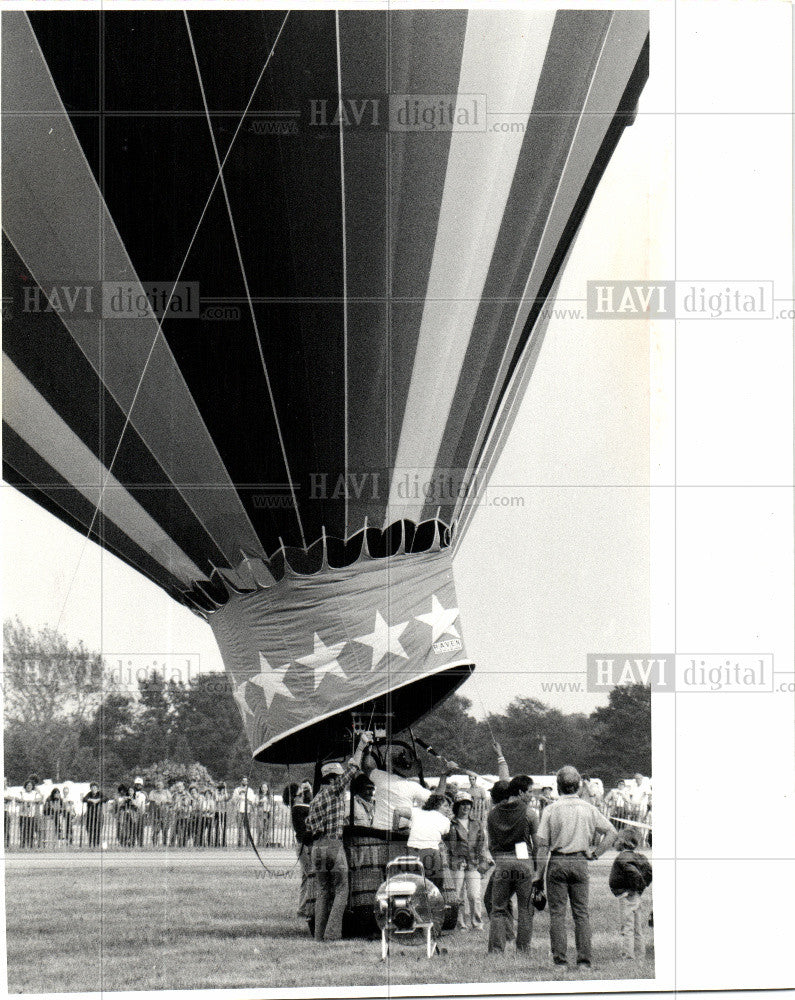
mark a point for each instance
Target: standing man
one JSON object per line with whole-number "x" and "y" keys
{"x": 325, "y": 821}
{"x": 9, "y": 811}
{"x": 480, "y": 802}
{"x": 395, "y": 793}
{"x": 69, "y": 814}
{"x": 392, "y": 789}
{"x": 181, "y": 806}
{"x": 93, "y": 801}
{"x": 264, "y": 815}
{"x": 511, "y": 827}
{"x": 139, "y": 800}
{"x": 245, "y": 800}
{"x": 160, "y": 812}
{"x": 219, "y": 816}
{"x": 639, "y": 794}
{"x": 566, "y": 832}
{"x": 297, "y": 799}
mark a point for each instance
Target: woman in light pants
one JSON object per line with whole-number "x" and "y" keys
{"x": 468, "y": 859}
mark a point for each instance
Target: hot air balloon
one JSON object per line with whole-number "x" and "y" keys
{"x": 276, "y": 286}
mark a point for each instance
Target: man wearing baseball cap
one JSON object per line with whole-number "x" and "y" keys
{"x": 325, "y": 822}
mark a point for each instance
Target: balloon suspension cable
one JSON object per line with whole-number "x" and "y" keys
{"x": 435, "y": 753}
{"x": 159, "y": 331}
{"x": 476, "y": 688}
{"x": 420, "y": 771}
{"x": 250, "y": 837}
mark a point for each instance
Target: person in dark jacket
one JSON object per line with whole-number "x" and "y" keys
{"x": 53, "y": 809}
{"x": 629, "y": 876}
{"x": 93, "y": 800}
{"x": 124, "y": 808}
{"x": 297, "y": 801}
{"x": 512, "y": 828}
{"x": 498, "y": 793}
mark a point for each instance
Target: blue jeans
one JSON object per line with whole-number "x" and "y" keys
{"x": 567, "y": 880}
{"x": 511, "y": 876}
{"x": 331, "y": 888}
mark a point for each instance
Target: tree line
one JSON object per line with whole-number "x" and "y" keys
{"x": 66, "y": 718}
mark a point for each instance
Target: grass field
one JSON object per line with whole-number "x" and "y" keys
{"x": 146, "y": 920}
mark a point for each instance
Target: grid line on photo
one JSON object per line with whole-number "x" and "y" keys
{"x": 675, "y": 901}
{"x": 291, "y": 114}
{"x": 103, "y": 461}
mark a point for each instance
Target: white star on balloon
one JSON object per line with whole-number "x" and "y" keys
{"x": 441, "y": 620}
{"x": 384, "y": 639}
{"x": 323, "y": 661}
{"x": 271, "y": 681}
{"x": 240, "y": 698}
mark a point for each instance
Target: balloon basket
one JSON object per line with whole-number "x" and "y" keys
{"x": 368, "y": 853}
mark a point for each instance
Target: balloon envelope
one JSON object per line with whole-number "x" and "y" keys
{"x": 277, "y": 286}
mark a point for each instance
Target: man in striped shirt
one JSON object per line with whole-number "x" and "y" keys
{"x": 327, "y": 816}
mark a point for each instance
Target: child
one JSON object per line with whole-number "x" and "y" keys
{"x": 629, "y": 876}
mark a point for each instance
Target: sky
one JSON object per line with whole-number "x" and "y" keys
{"x": 560, "y": 570}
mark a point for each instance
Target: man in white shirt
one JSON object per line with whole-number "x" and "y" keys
{"x": 68, "y": 813}
{"x": 243, "y": 794}
{"x": 139, "y": 800}
{"x": 638, "y": 790}
{"x": 394, "y": 792}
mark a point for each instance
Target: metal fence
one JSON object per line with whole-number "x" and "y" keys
{"x": 37, "y": 826}
{"x": 31, "y": 826}
{"x": 629, "y": 816}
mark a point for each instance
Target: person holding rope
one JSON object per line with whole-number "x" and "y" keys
{"x": 499, "y": 793}
{"x": 565, "y": 834}
{"x": 325, "y": 822}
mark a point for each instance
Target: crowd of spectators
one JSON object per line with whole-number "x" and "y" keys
{"x": 186, "y": 814}
{"x": 181, "y": 814}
